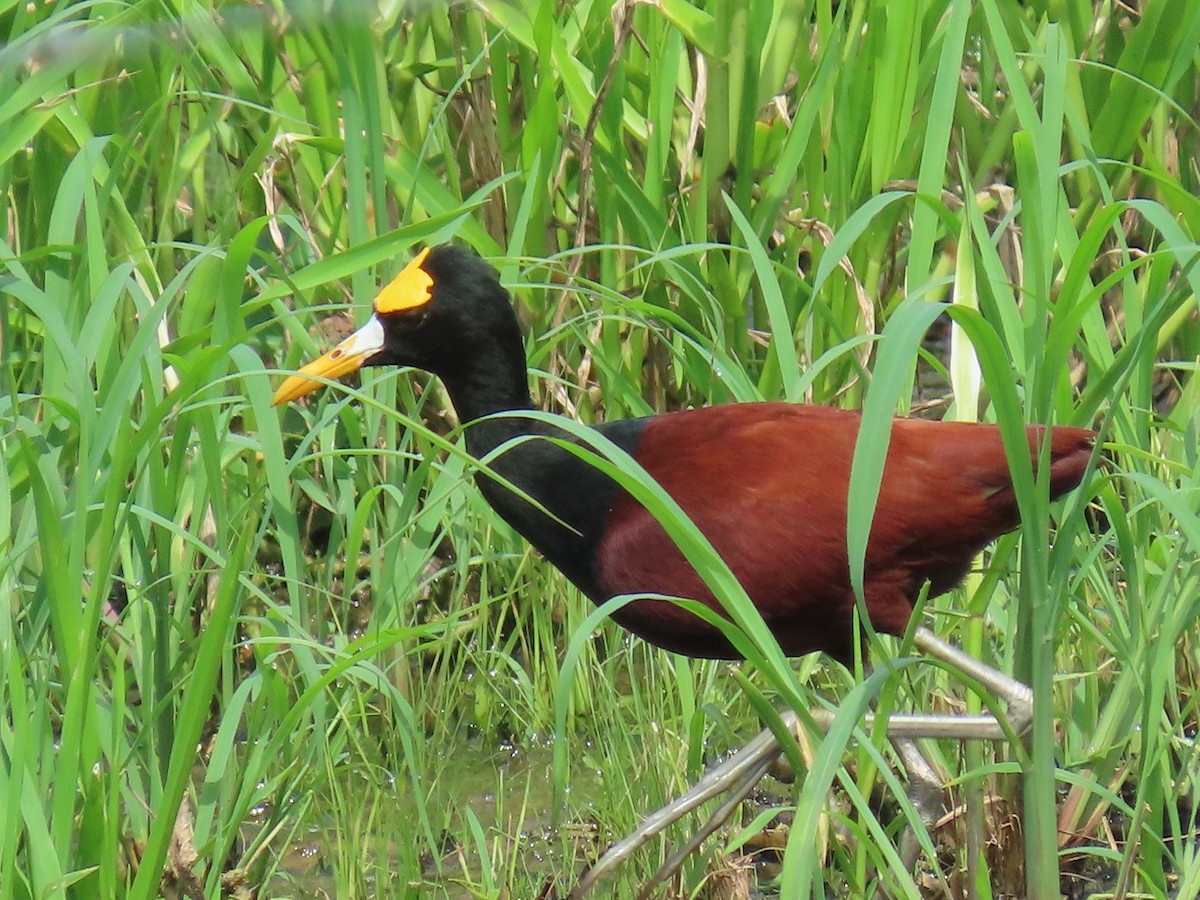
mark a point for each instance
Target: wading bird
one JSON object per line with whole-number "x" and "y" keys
{"x": 766, "y": 483}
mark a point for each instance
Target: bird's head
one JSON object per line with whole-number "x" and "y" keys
{"x": 443, "y": 312}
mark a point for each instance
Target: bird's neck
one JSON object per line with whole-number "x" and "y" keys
{"x": 550, "y": 496}
{"x": 491, "y": 386}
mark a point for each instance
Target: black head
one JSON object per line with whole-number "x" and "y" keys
{"x": 446, "y": 313}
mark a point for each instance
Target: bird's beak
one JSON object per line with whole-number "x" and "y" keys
{"x": 411, "y": 289}
{"x": 348, "y": 356}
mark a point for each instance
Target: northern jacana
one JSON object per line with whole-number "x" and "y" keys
{"x": 765, "y": 482}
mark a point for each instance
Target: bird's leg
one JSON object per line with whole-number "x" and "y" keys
{"x": 734, "y": 797}
{"x": 926, "y": 792}
{"x": 737, "y": 775}
{"x": 1016, "y": 694}
{"x": 740, "y": 773}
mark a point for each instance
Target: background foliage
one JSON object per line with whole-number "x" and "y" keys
{"x": 694, "y": 203}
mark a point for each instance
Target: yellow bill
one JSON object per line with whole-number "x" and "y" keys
{"x": 348, "y": 356}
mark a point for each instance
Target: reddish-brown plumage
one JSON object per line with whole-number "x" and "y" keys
{"x": 767, "y": 485}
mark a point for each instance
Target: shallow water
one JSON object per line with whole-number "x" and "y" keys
{"x": 507, "y": 792}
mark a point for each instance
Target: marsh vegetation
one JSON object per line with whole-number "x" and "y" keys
{"x": 231, "y": 631}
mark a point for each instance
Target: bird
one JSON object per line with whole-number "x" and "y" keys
{"x": 765, "y": 482}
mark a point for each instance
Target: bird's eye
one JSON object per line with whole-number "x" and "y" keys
{"x": 409, "y": 318}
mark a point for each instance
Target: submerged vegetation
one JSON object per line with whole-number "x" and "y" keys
{"x": 231, "y": 631}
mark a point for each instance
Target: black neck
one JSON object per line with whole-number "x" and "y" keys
{"x": 478, "y": 394}
{"x": 572, "y": 491}
{"x": 492, "y": 382}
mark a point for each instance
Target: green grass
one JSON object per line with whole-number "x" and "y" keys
{"x": 307, "y": 620}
